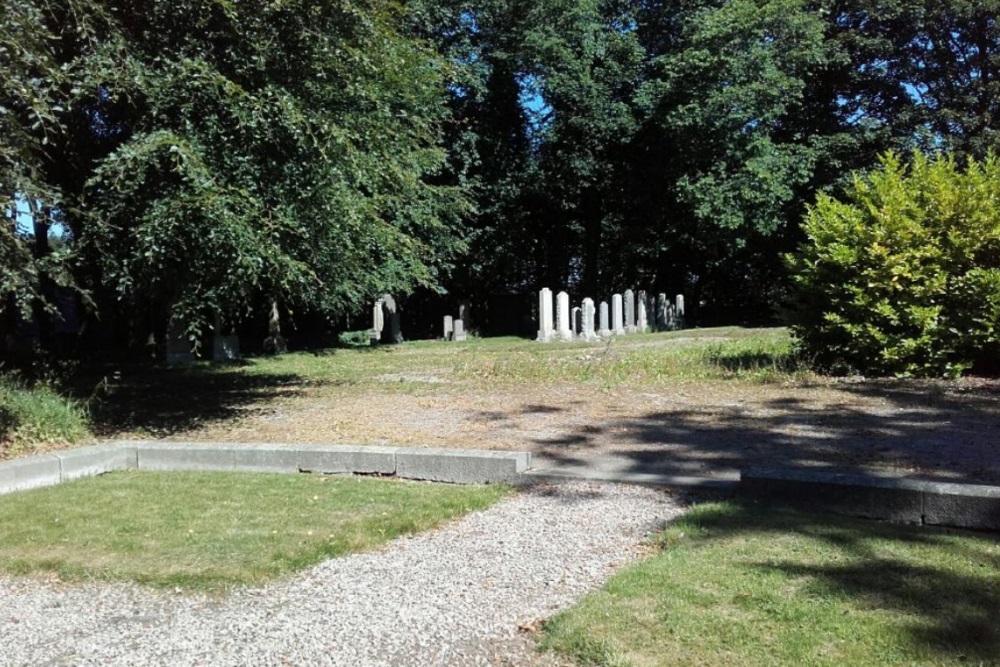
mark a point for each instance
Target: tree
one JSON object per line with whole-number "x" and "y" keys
{"x": 216, "y": 154}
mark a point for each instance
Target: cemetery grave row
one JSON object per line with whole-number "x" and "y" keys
{"x": 628, "y": 314}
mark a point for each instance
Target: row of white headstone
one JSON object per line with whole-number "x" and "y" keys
{"x": 629, "y": 313}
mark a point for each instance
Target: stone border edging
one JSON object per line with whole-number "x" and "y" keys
{"x": 902, "y": 500}
{"x": 438, "y": 465}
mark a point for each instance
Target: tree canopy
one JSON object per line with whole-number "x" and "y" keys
{"x": 203, "y": 157}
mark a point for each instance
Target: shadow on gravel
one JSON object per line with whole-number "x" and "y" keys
{"x": 930, "y": 430}
{"x": 163, "y": 400}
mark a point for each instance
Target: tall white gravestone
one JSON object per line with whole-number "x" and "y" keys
{"x": 563, "y": 330}
{"x": 617, "y": 319}
{"x": 449, "y": 327}
{"x": 544, "y": 315}
{"x": 576, "y": 320}
{"x": 459, "y": 334}
{"x": 587, "y": 324}
{"x": 605, "y": 329}
{"x": 679, "y": 313}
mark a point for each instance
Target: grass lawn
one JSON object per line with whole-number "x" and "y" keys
{"x": 738, "y": 584}
{"x": 212, "y": 531}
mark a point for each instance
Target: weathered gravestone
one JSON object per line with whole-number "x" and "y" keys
{"x": 642, "y": 319}
{"x": 617, "y": 320}
{"x": 661, "y": 312}
{"x": 545, "y": 315}
{"x": 178, "y": 346}
{"x": 576, "y": 320}
{"x": 587, "y": 313}
{"x": 679, "y": 311}
{"x": 449, "y": 327}
{"x": 459, "y": 333}
{"x": 629, "y": 311}
{"x": 391, "y": 331}
{"x": 605, "y": 329}
{"x": 465, "y": 314}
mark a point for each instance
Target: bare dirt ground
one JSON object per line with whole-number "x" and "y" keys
{"x": 940, "y": 431}
{"x": 712, "y": 428}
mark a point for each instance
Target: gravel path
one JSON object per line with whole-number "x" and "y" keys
{"x": 455, "y": 596}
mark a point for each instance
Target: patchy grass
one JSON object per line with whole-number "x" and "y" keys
{"x": 681, "y": 356}
{"x": 213, "y": 531}
{"x": 643, "y": 360}
{"x": 31, "y": 419}
{"x": 735, "y": 584}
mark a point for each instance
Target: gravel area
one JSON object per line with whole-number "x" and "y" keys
{"x": 461, "y": 595}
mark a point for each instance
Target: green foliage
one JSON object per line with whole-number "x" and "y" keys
{"x": 30, "y": 418}
{"x": 903, "y": 276}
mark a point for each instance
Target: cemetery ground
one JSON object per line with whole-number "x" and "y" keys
{"x": 700, "y": 402}
{"x": 725, "y": 584}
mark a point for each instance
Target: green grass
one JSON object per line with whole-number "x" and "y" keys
{"x": 213, "y": 531}
{"x": 725, "y": 353}
{"x": 736, "y": 584}
{"x": 33, "y": 418}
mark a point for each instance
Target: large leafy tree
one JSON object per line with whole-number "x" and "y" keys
{"x": 216, "y": 153}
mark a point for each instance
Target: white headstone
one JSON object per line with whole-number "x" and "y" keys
{"x": 642, "y": 318}
{"x": 629, "y": 311}
{"x": 680, "y": 311}
{"x": 545, "y": 332}
{"x": 449, "y": 327}
{"x": 587, "y": 328}
{"x": 617, "y": 319}
{"x": 563, "y": 330}
{"x": 459, "y": 333}
{"x": 605, "y": 329}
{"x": 576, "y": 320}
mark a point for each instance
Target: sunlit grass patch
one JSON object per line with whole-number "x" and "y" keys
{"x": 31, "y": 418}
{"x": 736, "y": 584}
{"x": 213, "y": 531}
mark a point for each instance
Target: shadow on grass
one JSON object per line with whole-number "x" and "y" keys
{"x": 753, "y": 360}
{"x": 945, "y": 585}
{"x": 165, "y": 400}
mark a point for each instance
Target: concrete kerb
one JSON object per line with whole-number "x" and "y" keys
{"x": 440, "y": 465}
{"x": 900, "y": 500}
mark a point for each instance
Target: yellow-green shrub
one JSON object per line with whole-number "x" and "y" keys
{"x": 903, "y": 276}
